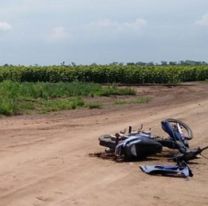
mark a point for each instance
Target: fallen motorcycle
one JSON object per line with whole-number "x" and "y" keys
{"x": 140, "y": 144}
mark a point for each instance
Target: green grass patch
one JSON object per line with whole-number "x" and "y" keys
{"x": 62, "y": 104}
{"x": 112, "y": 90}
{"x": 18, "y": 98}
{"x": 138, "y": 100}
{"x": 94, "y": 105}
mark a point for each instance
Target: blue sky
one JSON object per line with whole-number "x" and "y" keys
{"x": 49, "y": 32}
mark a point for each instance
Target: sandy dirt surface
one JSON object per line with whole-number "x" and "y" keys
{"x": 44, "y": 159}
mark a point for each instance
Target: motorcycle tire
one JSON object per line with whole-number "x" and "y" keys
{"x": 108, "y": 141}
{"x": 184, "y": 126}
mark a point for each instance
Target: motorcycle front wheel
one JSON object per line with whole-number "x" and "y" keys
{"x": 187, "y": 132}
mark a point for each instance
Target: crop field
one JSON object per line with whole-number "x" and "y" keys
{"x": 125, "y": 74}
{"x": 53, "y": 88}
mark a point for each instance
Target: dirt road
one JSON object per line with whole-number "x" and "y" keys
{"x": 44, "y": 159}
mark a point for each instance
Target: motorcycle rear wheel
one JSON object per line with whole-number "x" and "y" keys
{"x": 108, "y": 141}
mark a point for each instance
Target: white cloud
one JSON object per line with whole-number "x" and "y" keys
{"x": 58, "y": 34}
{"x": 117, "y": 26}
{"x": 203, "y": 21}
{"x": 137, "y": 24}
{"x": 4, "y": 26}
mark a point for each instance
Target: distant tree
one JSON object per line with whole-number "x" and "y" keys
{"x": 164, "y": 63}
{"x": 141, "y": 63}
{"x": 63, "y": 63}
{"x": 150, "y": 64}
{"x": 204, "y": 63}
{"x": 130, "y": 63}
{"x": 182, "y": 62}
{"x": 73, "y": 64}
{"x": 114, "y": 63}
{"x": 93, "y": 64}
{"x": 172, "y": 63}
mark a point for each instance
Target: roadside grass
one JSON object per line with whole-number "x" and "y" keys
{"x": 113, "y": 90}
{"x": 62, "y": 104}
{"x": 18, "y": 98}
{"x": 138, "y": 100}
{"x": 94, "y": 105}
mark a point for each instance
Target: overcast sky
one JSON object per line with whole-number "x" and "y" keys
{"x": 49, "y": 32}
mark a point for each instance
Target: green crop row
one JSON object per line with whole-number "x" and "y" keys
{"x": 128, "y": 74}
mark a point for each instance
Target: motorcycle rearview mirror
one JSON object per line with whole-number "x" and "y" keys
{"x": 130, "y": 129}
